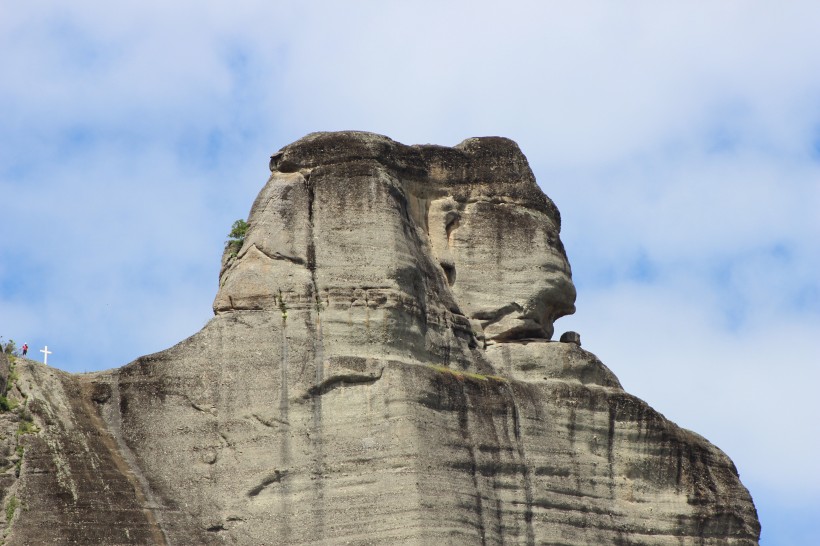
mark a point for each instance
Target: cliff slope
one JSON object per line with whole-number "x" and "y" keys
{"x": 379, "y": 370}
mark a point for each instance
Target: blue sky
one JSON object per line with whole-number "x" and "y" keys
{"x": 681, "y": 143}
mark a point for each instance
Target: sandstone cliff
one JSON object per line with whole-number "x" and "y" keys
{"x": 379, "y": 370}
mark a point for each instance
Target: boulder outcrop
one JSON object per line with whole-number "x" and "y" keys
{"x": 379, "y": 370}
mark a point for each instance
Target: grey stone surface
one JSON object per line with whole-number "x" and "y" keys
{"x": 379, "y": 370}
{"x": 571, "y": 337}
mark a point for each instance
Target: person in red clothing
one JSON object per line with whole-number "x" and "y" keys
{"x": 25, "y": 348}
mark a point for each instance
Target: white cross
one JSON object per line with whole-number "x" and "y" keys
{"x": 45, "y": 352}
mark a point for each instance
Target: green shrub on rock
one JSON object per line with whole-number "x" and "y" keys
{"x": 236, "y": 237}
{"x": 7, "y": 404}
{"x": 11, "y": 508}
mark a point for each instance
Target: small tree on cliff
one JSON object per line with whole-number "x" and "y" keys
{"x": 236, "y": 237}
{"x": 9, "y": 347}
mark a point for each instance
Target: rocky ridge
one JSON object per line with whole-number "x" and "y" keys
{"x": 379, "y": 370}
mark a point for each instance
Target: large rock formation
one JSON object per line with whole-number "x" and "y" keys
{"x": 379, "y": 370}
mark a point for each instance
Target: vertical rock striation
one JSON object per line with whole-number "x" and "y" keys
{"x": 379, "y": 370}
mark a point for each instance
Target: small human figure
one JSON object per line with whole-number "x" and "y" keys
{"x": 25, "y": 348}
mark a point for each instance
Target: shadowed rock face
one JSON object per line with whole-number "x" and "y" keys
{"x": 378, "y": 371}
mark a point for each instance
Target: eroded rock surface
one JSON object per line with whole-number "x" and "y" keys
{"x": 379, "y": 370}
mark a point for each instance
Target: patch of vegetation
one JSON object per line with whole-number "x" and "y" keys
{"x": 27, "y": 427}
{"x": 19, "y": 464}
{"x": 236, "y": 238}
{"x": 282, "y": 307}
{"x": 462, "y": 375}
{"x": 11, "y": 508}
{"x": 6, "y": 404}
{"x": 9, "y": 347}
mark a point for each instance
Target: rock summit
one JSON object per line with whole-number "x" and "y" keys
{"x": 380, "y": 370}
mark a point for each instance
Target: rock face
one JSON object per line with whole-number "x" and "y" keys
{"x": 379, "y": 370}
